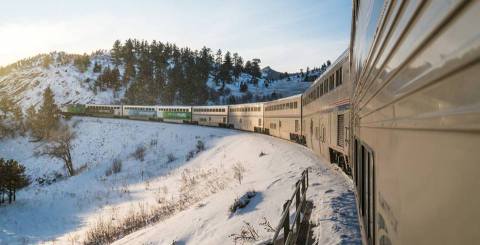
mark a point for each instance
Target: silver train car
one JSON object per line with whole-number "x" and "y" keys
{"x": 415, "y": 66}
{"x": 326, "y": 113}
{"x": 210, "y": 115}
{"x": 283, "y": 118}
{"x": 247, "y": 117}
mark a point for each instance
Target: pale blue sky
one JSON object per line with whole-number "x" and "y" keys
{"x": 287, "y": 35}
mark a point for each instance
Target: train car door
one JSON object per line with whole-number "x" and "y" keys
{"x": 364, "y": 176}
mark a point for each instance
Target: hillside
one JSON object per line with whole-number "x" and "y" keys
{"x": 110, "y": 78}
{"x": 199, "y": 189}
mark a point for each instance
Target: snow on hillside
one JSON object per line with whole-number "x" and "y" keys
{"x": 63, "y": 211}
{"x": 282, "y": 88}
{"x": 69, "y": 85}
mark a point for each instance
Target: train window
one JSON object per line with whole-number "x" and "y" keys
{"x": 317, "y": 133}
{"x": 295, "y": 105}
{"x": 325, "y": 86}
{"x": 332, "y": 84}
{"x": 259, "y": 122}
{"x": 279, "y": 124}
{"x": 340, "y": 77}
{"x": 318, "y": 92}
{"x": 296, "y": 125}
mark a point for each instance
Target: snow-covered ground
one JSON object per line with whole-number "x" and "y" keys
{"x": 203, "y": 187}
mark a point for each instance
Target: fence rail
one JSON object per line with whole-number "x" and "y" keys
{"x": 291, "y": 231}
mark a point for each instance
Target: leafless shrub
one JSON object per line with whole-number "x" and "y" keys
{"x": 190, "y": 155}
{"x": 81, "y": 168}
{"x": 171, "y": 158}
{"x": 60, "y": 147}
{"x": 139, "y": 153}
{"x": 238, "y": 171}
{"x": 200, "y": 146}
{"x": 266, "y": 225}
{"x": 153, "y": 142}
{"x": 247, "y": 234}
{"x": 241, "y": 202}
{"x": 115, "y": 168}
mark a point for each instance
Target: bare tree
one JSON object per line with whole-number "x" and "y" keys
{"x": 60, "y": 147}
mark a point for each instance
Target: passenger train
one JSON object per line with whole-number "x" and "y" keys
{"x": 399, "y": 112}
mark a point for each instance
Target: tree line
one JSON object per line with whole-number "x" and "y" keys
{"x": 159, "y": 72}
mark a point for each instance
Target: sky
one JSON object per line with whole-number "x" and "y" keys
{"x": 286, "y": 35}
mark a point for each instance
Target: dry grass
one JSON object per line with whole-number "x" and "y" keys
{"x": 196, "y": 184}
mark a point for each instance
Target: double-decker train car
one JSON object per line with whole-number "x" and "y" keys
{"x": 140, "y": 112}
{"x": 326, "y": 113}
{"x": 104, "y": 110}
{"x": 416, "y": 67}
{"x": 283, "y": 118}
{"x": 73, "y": 109}
{"x": 210, "y": 115}
{"x": 248, "y": 117}
{"x": 176, "y": 114}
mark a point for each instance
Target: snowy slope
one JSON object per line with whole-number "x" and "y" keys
{"x": 64, "y": 211}
{"x": 69, "y": 85}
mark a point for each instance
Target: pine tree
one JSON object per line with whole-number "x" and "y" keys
{"x": 48, "y": 113}
{"x": 237, "y": 65}
{"x": 12, "y": 178}
{"x": 256, "y": 72}
{"x": 117, "y": 52}
{"x": 226, "y": 70}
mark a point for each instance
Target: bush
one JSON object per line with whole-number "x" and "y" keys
{"x": 190, "y": 155}
{"x": 171, "y": 157}
{"x": 115, "y": 168}
{"x": 200, "y": 146}
{"x": 242, "y": 202}
{"x": 139, "y": 153}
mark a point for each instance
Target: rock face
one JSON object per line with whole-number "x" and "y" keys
{"x": 271, "y": 74}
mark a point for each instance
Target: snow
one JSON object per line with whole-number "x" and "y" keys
{"x": 63, "y": 211}
{"x": 283, "y": 87}
{"x": 68, "y": 84}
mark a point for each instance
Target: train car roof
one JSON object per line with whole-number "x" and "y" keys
{"x": 249, "y": 104}
{"x": 336, "y": 62}
{"x": 283, "y": 99}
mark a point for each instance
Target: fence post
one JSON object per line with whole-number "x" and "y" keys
{"x": 286, "y": 222}
{"x": 298, "y": 207}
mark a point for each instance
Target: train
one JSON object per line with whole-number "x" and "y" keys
{"x": 398, "y": 111}
{"x": 284, "y": 118}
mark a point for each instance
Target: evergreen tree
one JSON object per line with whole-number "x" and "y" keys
{"x": 97, "y": 67}
{"x": 48, "y": 118}
{"x": 255, "y": 70}
{"x": 117, "y": 52}
{"x": 226, "y": 69}
{"x": 12, "y": 178}
{"x": 237, "y": 65}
